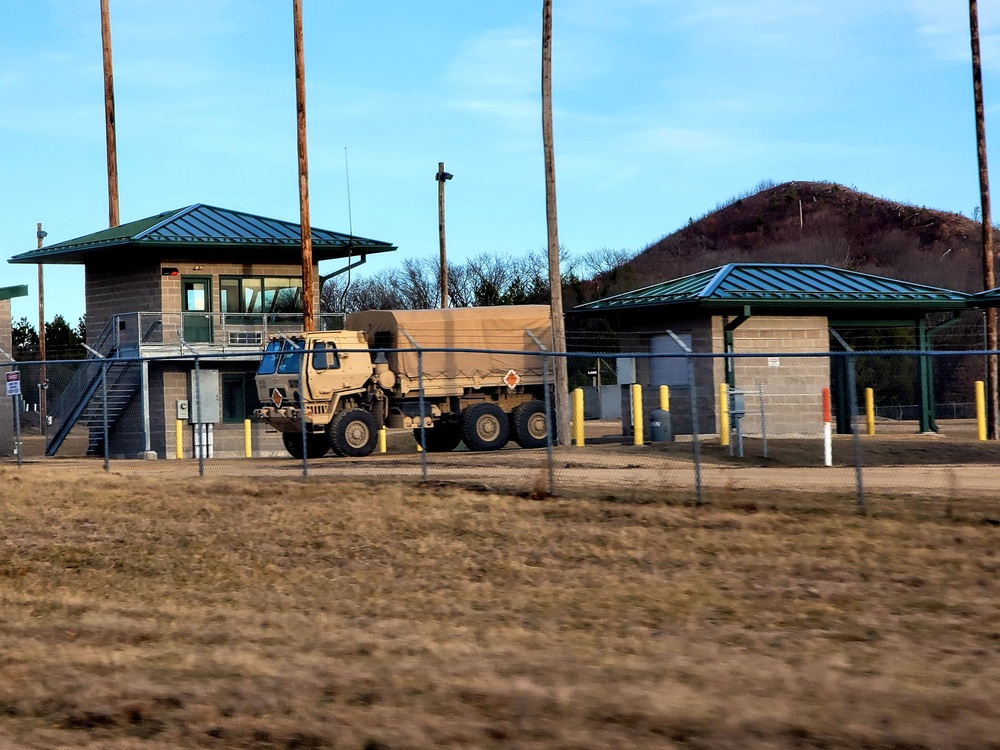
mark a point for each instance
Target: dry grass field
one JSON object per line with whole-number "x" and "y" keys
{"x": 152, "y": 612}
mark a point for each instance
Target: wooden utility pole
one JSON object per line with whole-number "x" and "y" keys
{"x": 555, "y": 276}
{"x": 308, "y": 318}
{"x": 989, "y": 278}
{"x": 109, "y": 116}
{"x": 442, "y": 177}
{"x": 43, "y": 374}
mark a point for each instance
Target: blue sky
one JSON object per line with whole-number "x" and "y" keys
{"x": 663, "y": 108}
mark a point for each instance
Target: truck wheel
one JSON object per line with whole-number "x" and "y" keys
{"x": 316, "y": 445}
{"x": 528, "y": 424}
{"x": 441, "y": 438}
{"x": 485, "y": 427}
{"x": 353, "y": 433}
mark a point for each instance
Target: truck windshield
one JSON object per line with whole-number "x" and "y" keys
{"x": 291, "y": 358}
{"x": 269, "y": 362}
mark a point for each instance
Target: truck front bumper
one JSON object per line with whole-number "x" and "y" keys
{"x": 283, "y": 420}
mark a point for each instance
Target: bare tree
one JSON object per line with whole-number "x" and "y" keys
{"x": 555, "y": 277}
{"x": 989, "y": 280}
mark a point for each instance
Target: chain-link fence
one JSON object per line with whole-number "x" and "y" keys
{"x": 681, "y": 426}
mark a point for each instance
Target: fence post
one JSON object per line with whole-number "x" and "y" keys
{"x": 18, "y": 445}
{"x": 695, "y": 430}
{"x": 423, "y": 429}
{"x": 763, "y": 419}
{"x": 200, "y": 442}
{"x": 578, "y": 437}
{"x": 723, "y": 414}
{"x": 549, "y": 422}
{"x": 980, "y": 410}
{"x": 870, "y": 411}
{"x": 852, "y": 396}
{"x": 104, "y": 410}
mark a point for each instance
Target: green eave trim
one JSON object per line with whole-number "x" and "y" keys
{"x": 10, "y": 292}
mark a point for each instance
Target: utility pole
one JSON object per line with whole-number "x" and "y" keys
{"x": 989, "y": 278}
{"x": 555, "y": 276}
{"x": 308, "y": 319}
{"x": 109, "y": 116}
{"x": 442, "y": 177}
{"x": 43, "y": 374}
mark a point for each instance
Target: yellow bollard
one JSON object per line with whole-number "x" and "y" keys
{"x": 870, "y": 410}
{"x": 179, "y": 439}
{"x": 637, "y": 414}
{"x": 980, "y": 409}
{"x": 247, "y": 439}
{"x": 665, "y": 397}
{"x": 723, "y": 414}
{"x": 381, "y": 439}
{"x": 578, "y": 417}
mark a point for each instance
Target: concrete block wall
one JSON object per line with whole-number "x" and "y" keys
{"x": 110, "y": 290}
{"x": 793, "y": 386}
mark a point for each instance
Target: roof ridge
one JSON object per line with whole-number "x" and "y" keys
{"x": 174, "y": 215}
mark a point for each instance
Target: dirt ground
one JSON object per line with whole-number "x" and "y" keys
{"x": 145, "y": 609}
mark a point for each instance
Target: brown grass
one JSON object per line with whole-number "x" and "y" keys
{"x": 288, "y": 614}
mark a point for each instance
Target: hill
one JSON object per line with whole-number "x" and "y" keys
{"x": 821, "y": 222}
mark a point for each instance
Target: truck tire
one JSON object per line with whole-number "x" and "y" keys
{"x": 441, "y": 438}
{"x": 528, "y": 425}
{"x": 353, "y": 433}
{"x": 317, "y": 445}
{"x": 485, "y": 427}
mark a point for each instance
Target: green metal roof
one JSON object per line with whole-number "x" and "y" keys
{"x": 10, "y": 292}
{"x": 989, "y": 298}
{"x": 205, "y": 227}
{"x": 784, "y": 286}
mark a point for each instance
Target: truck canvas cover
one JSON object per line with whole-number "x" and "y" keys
{"x": 502, "y": 328}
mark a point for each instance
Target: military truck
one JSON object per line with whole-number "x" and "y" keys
{"x": 346, "y": 385}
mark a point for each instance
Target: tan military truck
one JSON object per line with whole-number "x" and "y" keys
{"x": 348, "y": 384}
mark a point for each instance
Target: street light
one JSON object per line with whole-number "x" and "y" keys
{"x": 442, "y": 177}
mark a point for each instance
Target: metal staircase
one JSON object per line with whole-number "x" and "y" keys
{"x": 82, "y": 402}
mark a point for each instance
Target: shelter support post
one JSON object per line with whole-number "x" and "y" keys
{"x": 729, "y": 346}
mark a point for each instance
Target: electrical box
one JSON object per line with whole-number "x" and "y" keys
{"x": 206, "y": 403}
{"x": 182, "y": 410}
{"x": 625, "y": 368}
{"x": 737, "y": 403}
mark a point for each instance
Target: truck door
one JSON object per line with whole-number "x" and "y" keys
{"x": 323, "y": 370}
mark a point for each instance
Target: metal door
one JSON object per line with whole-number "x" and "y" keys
{"x": 196, "y": 308}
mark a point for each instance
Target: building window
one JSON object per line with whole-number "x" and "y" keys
{"x": 239, "y": 397}
{"x": 260, "y": 294}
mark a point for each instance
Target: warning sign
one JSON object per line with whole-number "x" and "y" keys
{"x": 511, "y": 379}
{"x": 276, "y": 397}
{"x": 13, "y": 384}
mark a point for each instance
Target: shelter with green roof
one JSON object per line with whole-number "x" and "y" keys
{"x": 776, "y": 309}
{"x": 197, "y": 279}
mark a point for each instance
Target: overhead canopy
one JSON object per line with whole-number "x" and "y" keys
{"x": 10, "y": 292}
{"x": 204, "y": 232}
{"x": 785, "y": 288}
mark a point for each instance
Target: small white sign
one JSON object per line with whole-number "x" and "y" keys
{"x": 773, "y": 362}
{"x": 13, "y": 384}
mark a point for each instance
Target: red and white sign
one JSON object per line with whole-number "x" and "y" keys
{"x": 13, "y": 384}
{"x": 511, "y": 379}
